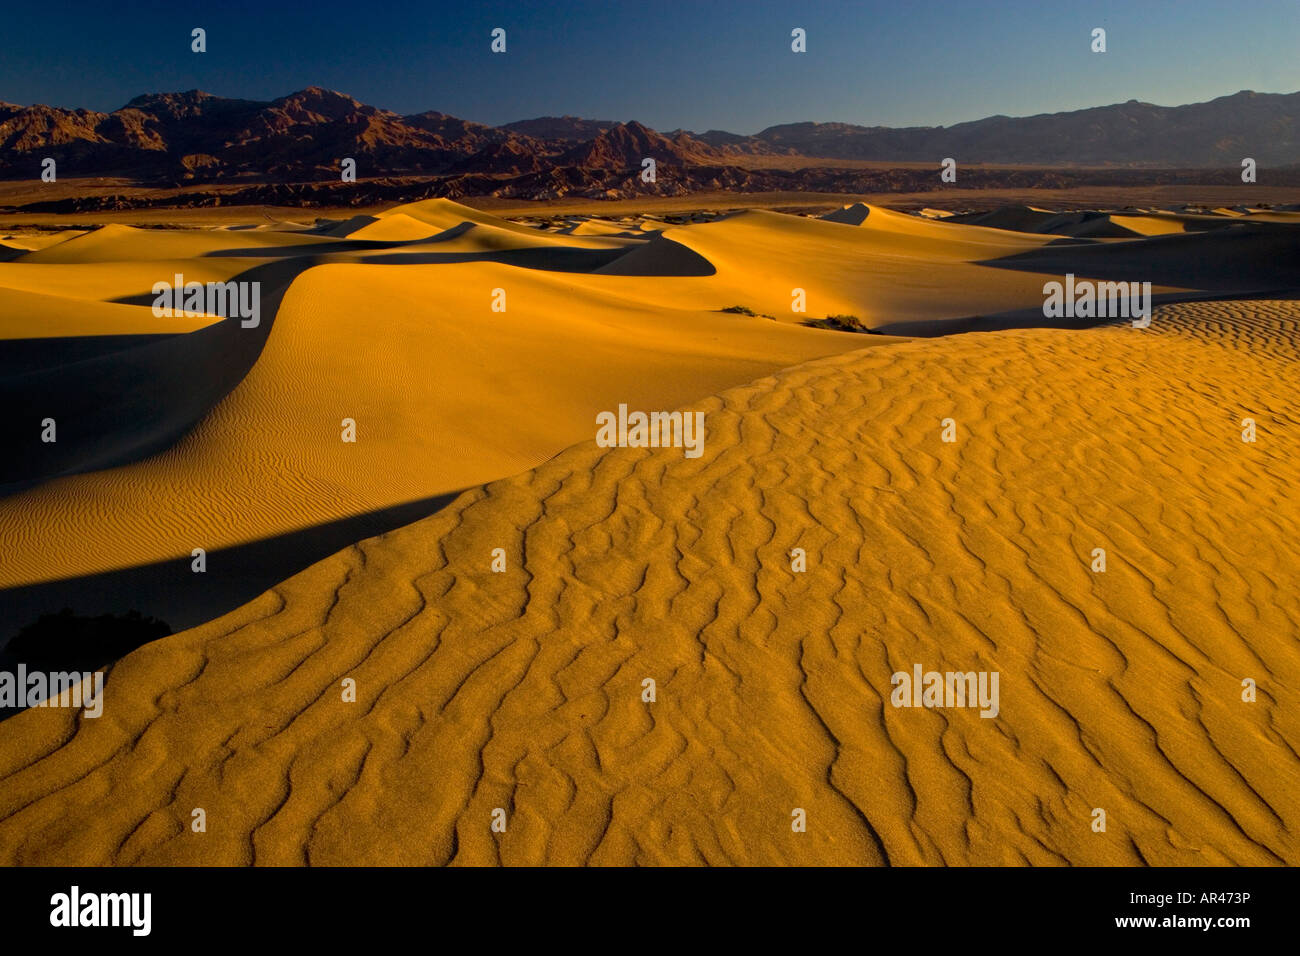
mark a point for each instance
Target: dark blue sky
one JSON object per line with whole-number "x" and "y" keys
{"x": 697, "y": 65}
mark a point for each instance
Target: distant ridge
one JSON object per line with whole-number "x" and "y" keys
{"x": 1263, "y": 126}
{"x": 560, "y": 127}
{"x": 194, "y": 137}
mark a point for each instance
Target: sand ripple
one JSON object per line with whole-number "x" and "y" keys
{"x": 522, "y": 690}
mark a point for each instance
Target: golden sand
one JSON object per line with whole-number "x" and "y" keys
{"x": 522, "y": 691}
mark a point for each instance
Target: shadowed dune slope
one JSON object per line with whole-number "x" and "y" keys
{"x": 1248, "y": 257}
{"x": 1101, "y": 224}
{"x": 120, "y": 405}
{"x": 522, "y": 690}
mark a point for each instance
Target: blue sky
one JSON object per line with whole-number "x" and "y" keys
{"x": 696, "y": 65}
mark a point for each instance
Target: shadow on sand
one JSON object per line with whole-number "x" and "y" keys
{"x": 171, "y": 592}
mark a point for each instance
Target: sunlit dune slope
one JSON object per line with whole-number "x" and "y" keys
{"x": 1120, "y": 691}
{"x": 34, "y": 315}
{"x": 28, "y": 240}
{"x": 126, "y": 282}
{"x": 891, "y": 267}
{"x": 445, "y": 393}
{"x": 118, "y": 243}
{"x": 891, "y": 270}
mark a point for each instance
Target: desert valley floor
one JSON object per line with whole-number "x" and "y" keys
{"x": 473, "y": 354}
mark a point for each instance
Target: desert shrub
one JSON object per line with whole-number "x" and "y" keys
{"x": 744, "y": 310}
{"x": 840, "y": 323}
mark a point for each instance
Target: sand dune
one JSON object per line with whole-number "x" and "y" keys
{"x": 33, "y": 315}
{"x": 886, "y": 268}
{"x": 522, "y": 690}
{"x": 388, "y": 320}
{"x": 1031, "y": 219}
{"x": 399, "y": 227}
{"x": 446, "y": 392}
{"x": 117, "y": 243}
{"x": 27, "y": 240}
{"x": 1118, "y": 224}
{"x": 602, "y": 227}
{"x": 127, "y": 281}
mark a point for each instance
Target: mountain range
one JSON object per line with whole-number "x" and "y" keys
{"x": 177, "y": 139}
